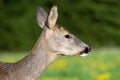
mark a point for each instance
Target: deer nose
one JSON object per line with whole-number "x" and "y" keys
{"x": 87, "y": 49}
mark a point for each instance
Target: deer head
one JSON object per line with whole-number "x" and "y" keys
{"x": 59, "y": 39}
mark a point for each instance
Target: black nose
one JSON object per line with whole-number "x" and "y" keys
{"x": 87, "y": 49}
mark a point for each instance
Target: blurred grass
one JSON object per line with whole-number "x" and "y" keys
{"x": 101, "y": 64}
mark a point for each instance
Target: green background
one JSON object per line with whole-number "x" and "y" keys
{"x": 96, "y": 22}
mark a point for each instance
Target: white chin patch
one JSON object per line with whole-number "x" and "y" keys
{"x": 83, "y": 55}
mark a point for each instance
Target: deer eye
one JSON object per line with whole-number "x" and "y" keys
{"x": 67, "y": 36}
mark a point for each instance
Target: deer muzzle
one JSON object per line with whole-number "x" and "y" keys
{"x": 85, "y": 52}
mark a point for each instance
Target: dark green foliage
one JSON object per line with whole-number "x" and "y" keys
{"x": 97, "y": 22}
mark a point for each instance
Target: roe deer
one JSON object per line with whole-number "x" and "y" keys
{"x": 54, "y": 41}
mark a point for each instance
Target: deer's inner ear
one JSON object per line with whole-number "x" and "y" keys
{"x": 52, "y": 17}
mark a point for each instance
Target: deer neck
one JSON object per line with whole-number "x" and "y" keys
{"x": 37, "y": 61}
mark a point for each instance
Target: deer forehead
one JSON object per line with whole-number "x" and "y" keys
{"x": 63, "y": 30}
{"x": 57, "y": 30}
{"x": 60, "y": 29}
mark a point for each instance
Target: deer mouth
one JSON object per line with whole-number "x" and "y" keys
{"x": 83, "y": 54}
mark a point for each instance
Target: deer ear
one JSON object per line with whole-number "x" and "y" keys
{"x": 52, "y": 17}
{"x": 41, "y": 17}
